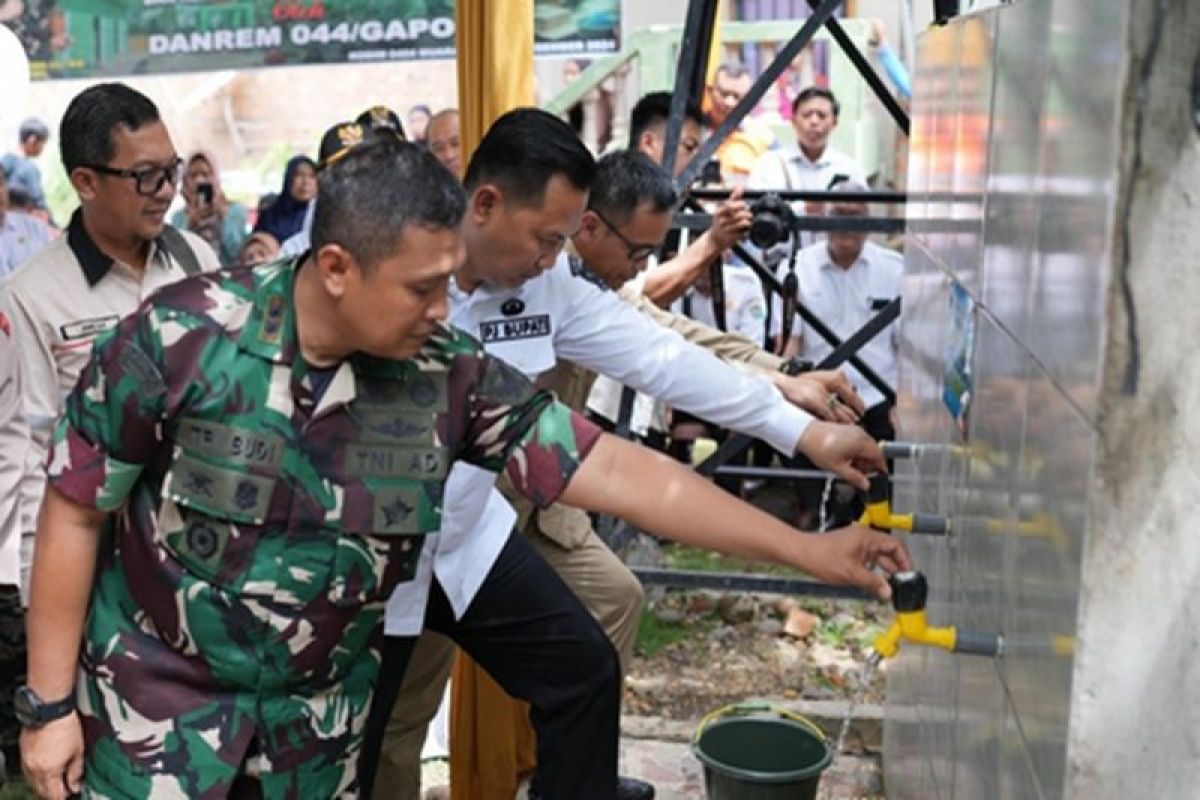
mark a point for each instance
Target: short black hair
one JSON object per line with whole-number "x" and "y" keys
{"x": 627, "y": 179}
{"x": 523, "y": 150}
{"x": 85, "y": 136}
{"x": 381, "y": 187}
{"x": 814, "y": 93}
{"x": 655, "y": 109}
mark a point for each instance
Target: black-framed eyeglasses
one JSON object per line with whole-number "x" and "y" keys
{"x": 147, "y": 180}
{"x": 637, "y": 252}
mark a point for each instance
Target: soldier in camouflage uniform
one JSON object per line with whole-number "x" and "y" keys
{"x": 274, "y": 445}
{"x": 266, "y": 509}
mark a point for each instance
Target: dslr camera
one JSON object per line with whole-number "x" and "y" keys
{"x": 773, "y": 222}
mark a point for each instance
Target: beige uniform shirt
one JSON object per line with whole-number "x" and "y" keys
{"x": 572, "y": 383}
{"x": 59, "y": 301}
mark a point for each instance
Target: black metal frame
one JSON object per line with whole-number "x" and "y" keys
{"x": 689, "y": 84}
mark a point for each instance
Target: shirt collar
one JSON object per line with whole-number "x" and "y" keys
{"x": 581, "y": 270}
{"x": 827, "y": 260}
{"x": 824, "y": 161}
{"x": 94, "y": 262}
{"x": 270, "y": 330}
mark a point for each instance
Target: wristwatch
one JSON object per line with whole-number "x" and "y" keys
{"x": 34, "y": 712}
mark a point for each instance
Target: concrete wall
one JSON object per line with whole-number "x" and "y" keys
{"x": 1135, "y": 716}
{"x": 1019, "y": 103}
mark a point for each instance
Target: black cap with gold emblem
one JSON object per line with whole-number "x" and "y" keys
{"x": 381, "y": 117}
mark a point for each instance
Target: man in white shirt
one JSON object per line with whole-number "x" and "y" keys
{"x": 20, "y": 234}
{"x": 845, "y": 281}
{"x": 515, "y": 293}
{"x": 116, "y": 250}
{"x": 813, "y": 164}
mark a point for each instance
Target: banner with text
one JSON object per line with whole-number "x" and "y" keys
{"x": 86, "y": 38}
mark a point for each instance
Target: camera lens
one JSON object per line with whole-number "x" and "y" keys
{"x": 767, "y": 230}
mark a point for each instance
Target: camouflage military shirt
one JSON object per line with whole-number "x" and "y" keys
{"x": 261, "y": 525}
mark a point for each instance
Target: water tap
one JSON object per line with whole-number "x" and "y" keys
{"x": 910, "y": 591}
{"x": 878, "y": 513}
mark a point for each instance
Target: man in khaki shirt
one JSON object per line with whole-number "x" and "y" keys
{"x": 116, "y": 251}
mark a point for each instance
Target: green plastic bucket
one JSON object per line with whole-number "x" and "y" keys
{"x": 754, "y": 751}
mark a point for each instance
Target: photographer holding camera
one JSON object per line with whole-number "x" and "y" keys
{"x": 813, "y": 165}
{"x": 207, "y": 212}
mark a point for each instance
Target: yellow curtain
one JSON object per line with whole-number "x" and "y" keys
{"x": 491, "y": 741}
{"x": 495, "y": 64}
{"x": 716, "y": 52}
{"x": 492, "y": 744}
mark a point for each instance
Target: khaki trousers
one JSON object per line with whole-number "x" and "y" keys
{"x": 603, "y": 584}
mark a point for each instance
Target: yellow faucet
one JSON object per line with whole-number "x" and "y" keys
{"x": 878, "y": 513}
{"x": 910, "y": 591}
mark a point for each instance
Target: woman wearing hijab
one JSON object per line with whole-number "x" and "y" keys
{"x": 207, "y": 212}
{"x": 285, "y": 217}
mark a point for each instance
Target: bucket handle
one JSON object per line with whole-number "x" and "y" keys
{"x": 757, "y": 707}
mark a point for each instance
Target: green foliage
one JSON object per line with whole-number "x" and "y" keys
{"x": 16, "y": 789}
{"x": 60, "y": 195}
{"x": 654, "y": 634}
{"x": 693, "y": 558}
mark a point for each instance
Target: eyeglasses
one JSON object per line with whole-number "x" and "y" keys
{"x": 148, "y": 180}
{"x": 637, "y": 252}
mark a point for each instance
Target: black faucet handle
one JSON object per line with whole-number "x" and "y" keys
{"x": 880, "y": 486}
{"x": 910, "y": 591}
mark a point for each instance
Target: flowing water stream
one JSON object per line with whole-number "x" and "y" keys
{"x": 864, "y": 683}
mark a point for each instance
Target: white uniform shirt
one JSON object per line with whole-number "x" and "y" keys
{"x": 59, "y": 301}
{"x": 558, "y": 315}
{"x": 14, "y": 439}
{"x": 745, "y": 305}
{"x": 846, "y": 300}
{"x": 790, "y": 170}
{"x": 745, "y": 313}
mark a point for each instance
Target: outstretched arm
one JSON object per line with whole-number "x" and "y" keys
{"x": 668, "y": 282}
{"x": 659, "y": 495}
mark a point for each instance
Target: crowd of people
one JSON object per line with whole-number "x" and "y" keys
{"x": 259, "y": 481}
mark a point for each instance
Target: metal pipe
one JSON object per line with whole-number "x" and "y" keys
{"x": 702, "y": 222}
{"x": 800, "y": 196}
{"x": 746, "y": 582}
{"x": 899, "y": 116}
{"x": 693, "y": 49}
